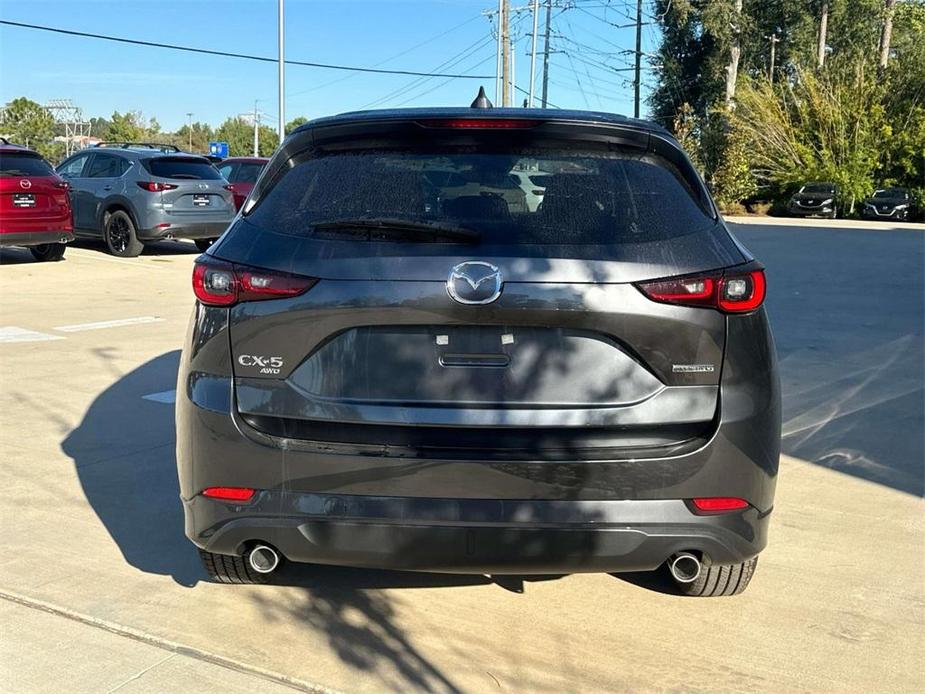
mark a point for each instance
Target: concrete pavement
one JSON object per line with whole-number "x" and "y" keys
{"x": 96, "y": 576}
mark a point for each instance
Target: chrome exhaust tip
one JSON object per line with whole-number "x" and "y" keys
{"x": 685, "y": 567}
{"x": 263, "y": 559}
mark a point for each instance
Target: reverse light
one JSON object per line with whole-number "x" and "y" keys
{"x": 719, "y": 504}
{"x": 217, "y": 283}
{"x": 727, "y": 290}
{"x": 229, "y": 493}
{"x": 155, "y": 186}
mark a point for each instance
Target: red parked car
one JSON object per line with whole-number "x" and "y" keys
{"x": 241, "y": 173}
{"x": 35, "y": 210}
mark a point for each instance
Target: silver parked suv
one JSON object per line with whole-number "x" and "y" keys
{"x": 130, "y": 192}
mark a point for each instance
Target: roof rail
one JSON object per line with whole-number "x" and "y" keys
{"x": 150, "y": 145}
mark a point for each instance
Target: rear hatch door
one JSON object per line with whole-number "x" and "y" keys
{"x": 529, "y": 329}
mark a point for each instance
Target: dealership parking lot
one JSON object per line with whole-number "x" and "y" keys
{"x": 101, "y": 589}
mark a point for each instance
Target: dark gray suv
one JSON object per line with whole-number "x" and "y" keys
{"x": 396, "y": 361}
{"x": 128, "y": 193}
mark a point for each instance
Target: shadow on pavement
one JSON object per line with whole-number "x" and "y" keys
{"x": 124, "y": 453}
{"x": 172, "y": 247}
{"x": 847, "y": 308}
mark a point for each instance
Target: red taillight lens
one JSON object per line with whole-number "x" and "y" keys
{"x": 719, "y": 504}
{"x": 63, "y": 185}
{"x": 217, "y": 283}
{"x": 229, "y": 493}
{"x": 155, "y": 186}
{"x": 229, "y": 187}
{"x": 480, "y": 123}
{"x": 728, "y": 291}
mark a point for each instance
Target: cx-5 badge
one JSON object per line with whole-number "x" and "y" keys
{"x": 474, "y": 282}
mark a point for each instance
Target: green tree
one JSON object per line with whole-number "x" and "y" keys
{"x": 240, "y": 138}
{"x": 295, "y": 123}
{"x": 827, "y": 126}
{"x": 126, "y": 127}
{"x": 25, "y": 122}
{"x": 202, "y": 134}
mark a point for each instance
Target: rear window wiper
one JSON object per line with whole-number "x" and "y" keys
{"x": 373, "y": 226}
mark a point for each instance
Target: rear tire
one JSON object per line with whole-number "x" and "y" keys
{"x": 204, "y": 244}
{"x": 48, "y": 252}
{"x": 715, "y": 581}
{"x": 120, "y": 236}
{"x": 223, "y": 568}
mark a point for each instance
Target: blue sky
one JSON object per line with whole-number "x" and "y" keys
{"x": 101, "y": 76}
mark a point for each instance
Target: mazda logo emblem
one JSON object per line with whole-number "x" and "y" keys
{"x": 474, "y": 282}
{"x": 25, "y": 183}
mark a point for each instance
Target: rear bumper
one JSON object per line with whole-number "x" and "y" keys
{"x": 185, "y": 230}
{"x": 474, "y": 535}
{"x": 35, "y": 238}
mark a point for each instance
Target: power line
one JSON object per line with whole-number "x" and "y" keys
{"x": 225, "y": 54}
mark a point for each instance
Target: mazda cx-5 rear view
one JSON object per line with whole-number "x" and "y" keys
{"x": 396, "y": 360}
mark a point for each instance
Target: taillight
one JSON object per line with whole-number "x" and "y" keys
{"x": 229, "y": 493}
{"x": 63, "y": 185}
{"x": 730, "y": 291}
{"x": 719, "y": 504}
{"x": 217, "y": 283}
{"x": 480, "y": 123}
{"x": 155, "y": 186}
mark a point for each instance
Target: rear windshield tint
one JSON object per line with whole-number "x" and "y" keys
{"x": 538, "y": 197}
{"x": 24, "y": 165}
{"x": 192, "y": 168}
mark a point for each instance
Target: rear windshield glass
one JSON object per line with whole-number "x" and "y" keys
{"x": 511, "y": 198}
{"x": 181, "y": 167}
{"x": 248, "y": 172}
{"x": 23, "y": 165}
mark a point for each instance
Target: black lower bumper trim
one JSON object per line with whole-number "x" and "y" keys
{"x": 474, "y": 536}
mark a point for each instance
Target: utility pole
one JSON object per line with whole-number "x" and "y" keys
{"x": 505, "y": 54}
{"x": 735, "y": 51}
{"x": 256, "y": 130}
{"x": 773, "y": 39}
{"x": 546, "y": 51}
{"x": 636, "y": 80}
{"x": 823, "y": 30}
{"x": 499, "y": 80}
{"x": 536, "y": 26}
{"x": 887, "y": 34}
{"x": 282, "y": 74}
{"x": 189, "y": 128}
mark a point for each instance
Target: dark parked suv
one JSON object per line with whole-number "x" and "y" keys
{"x": 394, "y": 363}
{"x": 128, "y": 193}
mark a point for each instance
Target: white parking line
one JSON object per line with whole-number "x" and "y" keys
{"x": 107, "y": 324}
{"x": 167, "y": 397}
{"x": 10, "y": 333}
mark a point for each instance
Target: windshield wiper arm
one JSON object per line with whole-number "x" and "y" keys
{"x": 388, "y": 225}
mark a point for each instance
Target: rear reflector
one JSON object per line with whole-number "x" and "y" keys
{"x": 229, "y": 493}
{"x": 730, "y": 291}
{"x": 719, "y": 504}
{"x": 217, "y": 283}
{"x": 480, "y": 123}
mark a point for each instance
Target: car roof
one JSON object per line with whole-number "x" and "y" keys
{"x": 549, "y": 115}
{"x": 143, "y": 150}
